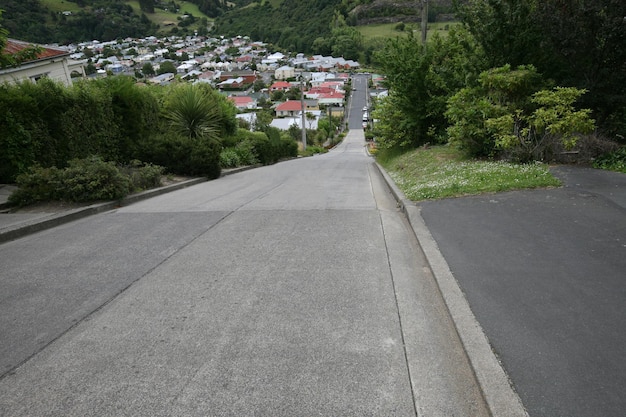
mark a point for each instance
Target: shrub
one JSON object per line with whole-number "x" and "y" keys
{"x": 183, "y": 155}
{"x": 312, "y": 150}
{"x": 92, "y": 179}
{"x": 204, "y": 159}
{"x": 142, "y": 176}
{"x": 84, "y": 180}
{"x": 245, "y": 153}
{"x": 613, "y": 161}
{"x": 35, "y": 185}
{"x": 229, "y": 158}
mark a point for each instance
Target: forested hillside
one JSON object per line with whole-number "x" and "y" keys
{"x": 295, "y": 25}
{"x": 289, "y": 24}
{"x": 67, "y": 21}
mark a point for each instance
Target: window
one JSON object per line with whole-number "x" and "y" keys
{"x": 38, "y": 77}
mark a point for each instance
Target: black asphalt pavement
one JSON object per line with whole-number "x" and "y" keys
{"x": 544, "y": 272}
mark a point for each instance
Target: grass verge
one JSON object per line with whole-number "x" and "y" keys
{"x": 443, "y": 172}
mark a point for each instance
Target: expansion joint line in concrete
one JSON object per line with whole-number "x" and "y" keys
{"x": 395, "y": 295}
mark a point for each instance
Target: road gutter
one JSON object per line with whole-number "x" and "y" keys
{"x": 496, "y": 388}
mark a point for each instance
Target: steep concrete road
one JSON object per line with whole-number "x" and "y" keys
{"x": 291, "y": 290}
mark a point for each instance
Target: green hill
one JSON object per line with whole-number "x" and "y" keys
{"x": 289, "y": 24}
{"x": 64, "y": 21}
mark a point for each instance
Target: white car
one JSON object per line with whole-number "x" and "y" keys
{"x": 365, "y": 108}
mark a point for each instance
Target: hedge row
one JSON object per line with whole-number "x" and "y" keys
{"x": 48, "y": 125}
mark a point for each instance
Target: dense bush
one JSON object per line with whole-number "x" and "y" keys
{"x": 84, "y": 180}
{"x": 229, "y": 158}
{"x": 271, "y": 147}
{"x": 204, "y": 159}
{"x": 614, "y": 161}
{"x": 48, "y": 124}
{"x": 142, "y": 175}
{"x": 312, "y": 150}
{"x": 92, "y": 179}
{"x": 183, "y": 155}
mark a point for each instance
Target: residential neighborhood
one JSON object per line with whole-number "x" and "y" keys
{"x": 247, "y": 72}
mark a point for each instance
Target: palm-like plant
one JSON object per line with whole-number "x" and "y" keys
{"x": 193, "y": 113}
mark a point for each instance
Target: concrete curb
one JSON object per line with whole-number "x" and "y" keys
{"x": 56, "y": 219}
{"x": 494, "y": 384}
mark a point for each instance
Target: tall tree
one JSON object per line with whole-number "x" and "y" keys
{"x": 576, "y": 43}
{"x": 146, "y": 6}
{"x": 587, "y": 38}
{"x": 7, "y": 59}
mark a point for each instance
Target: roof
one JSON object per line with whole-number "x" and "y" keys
{"x": 14, "y": 46}
{"x": 240, "y": 100}
{"x": 280, "y": 85}
{"x": 290, "y": 105}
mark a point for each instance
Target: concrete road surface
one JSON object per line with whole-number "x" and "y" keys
{"x": 290, "y": 290}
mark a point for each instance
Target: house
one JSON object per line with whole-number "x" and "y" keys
{"x": 232, "y": 83}
{"x": 243, "y": 102}
{"x": 52, "y": 63}
{"x": 115, "y": 68}
{"x": 280, "y": 86}
{"x": 284, "y": 72}
{"x": 162, "y": 79}
{"x": 310, "y": 122}
{"x": 249, "y": 77}
{"x": 289, "y": 108}
{"x": 331, "y": 99}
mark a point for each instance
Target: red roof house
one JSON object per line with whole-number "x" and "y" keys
{"x": 50, "y": 62}
{"x": 280, "y": 86}
{"x": 289, "y": 108}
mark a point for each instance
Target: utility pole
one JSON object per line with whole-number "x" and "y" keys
{"x": 424, "y": 20}
{"x": 303, "y": 115}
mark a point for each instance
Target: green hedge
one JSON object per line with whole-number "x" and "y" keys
{"x": 47, "y": 124}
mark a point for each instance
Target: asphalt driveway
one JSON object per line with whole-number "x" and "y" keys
{"x": 544, "y": 271}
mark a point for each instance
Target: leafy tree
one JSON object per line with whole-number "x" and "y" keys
{"x": 500, "y": 91}
{"x": 166, "y": 67}
{"x": 506, "y": 30}
{"x": 9, "y": 60}
{"x": 511, "y": 112}
{"x": 586, "y": 39}
{"x": 528, "y": 135}
{"x": 146, "y": 6}
{"x": 277, "y": 95}
{"x": 576, "y": 43}
{"x": 147, "y": 69}
{"x": 345, "y": 41}
{"x": 405, "y": 62}
{"x": 421, "y": 78}
{"x": 263, "y": 120}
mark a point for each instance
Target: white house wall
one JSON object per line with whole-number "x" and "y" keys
{"x": 55, "y": 69}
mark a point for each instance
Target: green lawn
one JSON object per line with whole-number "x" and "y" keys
{"x": 60, "y": 5}
{"x": 160, "y": 17}
{"x": 388, "y": 30}
{"x": 442, "y": 172}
